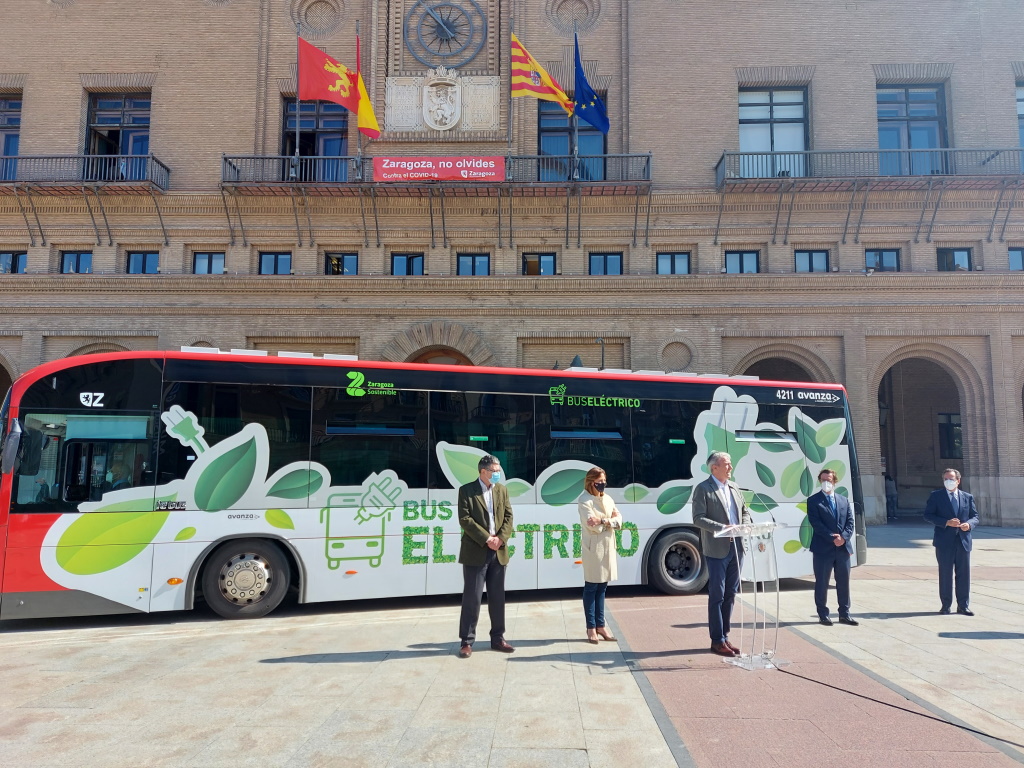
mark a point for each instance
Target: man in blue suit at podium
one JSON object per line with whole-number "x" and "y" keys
{"x": 831, "y": 518}
{"x": 954, "y": 516}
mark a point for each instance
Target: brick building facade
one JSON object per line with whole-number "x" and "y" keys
{"x": 817, "y": 190}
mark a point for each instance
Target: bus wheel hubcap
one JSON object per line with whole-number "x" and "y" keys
{"x": 245, "y": 578}
{"x": 679, "y": 562}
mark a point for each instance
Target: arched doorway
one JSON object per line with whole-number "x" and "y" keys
{"x": 5, "y": 381}
{"x": 920, "y": 434}
{"x": 778, "y": 369}
{"x": 442, "y": 356}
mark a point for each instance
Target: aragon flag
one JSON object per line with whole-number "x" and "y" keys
{"x": 321, "y": 77}
{"x": 530, "y": 79}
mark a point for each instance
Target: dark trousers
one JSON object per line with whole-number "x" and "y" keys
{"x": 953, "y": 558}
{"x": 723, "y": 584}
{"x": 825, "y": 563}
{"x": 491, "y": 573}
{"x": 593, "y": 603}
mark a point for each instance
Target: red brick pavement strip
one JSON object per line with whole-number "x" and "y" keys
{"x": 818, "y": 709}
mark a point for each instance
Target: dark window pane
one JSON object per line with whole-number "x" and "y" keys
{"x": 498, "y": 424}
{"x": 361, "y": 435}
{"x": 885, "y": 260}
{"x": 143, "y": 263}
{"x": 950, "y": 436}
{"x": 13, "y": 262}
{"x": 1017, "y": 258}
{"x": 76, "y": 262}
{"x": 341, "y": 263}
{"x": 662, "y": 436}
{"x": 597, "y": 436}
{"x": 954, "y": 259}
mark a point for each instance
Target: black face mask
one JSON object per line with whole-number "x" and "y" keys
{"x": 599, "y": 487}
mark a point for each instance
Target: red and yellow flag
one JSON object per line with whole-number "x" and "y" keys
{"x": 323, "y": 78}
{"x": 529, "y": 78}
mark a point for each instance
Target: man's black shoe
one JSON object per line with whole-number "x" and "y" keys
{"x": 849, "y": 620}
{"x": 945, "y": 611}
{"x": 826, "y": 621}
{"x": 965, "y": 611}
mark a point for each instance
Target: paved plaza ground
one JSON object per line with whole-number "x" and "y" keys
{"x": 380, "y": 684}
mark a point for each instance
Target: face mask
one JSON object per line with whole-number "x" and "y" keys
{"x": 495, "y": 477}
{"x": 599, "y": 487}
{"x": 826, "y": 486}
{"x": 950, "y": 485}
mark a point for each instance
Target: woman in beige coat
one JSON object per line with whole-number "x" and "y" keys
{"x": 600, "y": 518}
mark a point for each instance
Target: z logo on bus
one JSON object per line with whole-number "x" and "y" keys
{"x": 91, "y": 399}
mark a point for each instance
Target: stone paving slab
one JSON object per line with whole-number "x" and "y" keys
{"x": 368, "y": 684}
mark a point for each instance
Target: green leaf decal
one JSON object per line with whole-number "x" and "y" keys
{"x": 806, "y": 437}
{"x": 843, "y": 491}
{"x": 806, "y": 482}
{"x": 99, "y": 542}
{"x": 635, "y": 492}
{"x": 829, "y": 433}
{"x": 776, "y": 447}
{"x": 806, "y": 532}
{"x": 790, "y": 485}
{"x": 563, "y": 487}
{"x": 297, "y": 485}
{"x": 462, "y": 463}
{"x": 838, "y": 467}
{"x": 761, "y": 503}
{"x": 802, "y": 506}
{"x": 765, "y": 474}
{"x": 720, "y": 440}
{"x": 674, "y": 499}
{"x": 185, "y": 534}
{"x": 517, "y": 488}
{"x": 792, "y": 546}
{"x": 279, "y": 519}
{"x": 226, "y": 478}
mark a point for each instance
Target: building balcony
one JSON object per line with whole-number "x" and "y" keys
{"x": 67, "y": 174}
{"x": 525, "y": 175}
{"x": 828, "y": 171}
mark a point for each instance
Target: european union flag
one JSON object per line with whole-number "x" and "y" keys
{"x": 589, "y": 106}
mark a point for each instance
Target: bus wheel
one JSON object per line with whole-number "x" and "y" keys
{"x": 677, "y": 565}
{"x": 245, "y": 579}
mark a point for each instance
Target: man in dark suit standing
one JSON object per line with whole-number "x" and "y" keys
{"x": 485, "y": 514}
{"x": 954, "y": 515}
{"x": 831, "y": 518}
{"x": 717, "y": 503}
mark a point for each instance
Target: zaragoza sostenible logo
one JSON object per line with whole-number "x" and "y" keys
{"x": 355, "y": 384}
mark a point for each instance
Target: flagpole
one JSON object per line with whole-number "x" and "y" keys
{"x": 359, "y": 134}
{"x": 298, "y": 109}
{"x": 575, "y": 118}
{"x": 511, "y": 29}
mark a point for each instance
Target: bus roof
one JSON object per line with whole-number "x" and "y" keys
{"x": 347, "y": 361}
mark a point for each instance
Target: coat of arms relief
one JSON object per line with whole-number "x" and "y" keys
{"x": 442, "y": 100}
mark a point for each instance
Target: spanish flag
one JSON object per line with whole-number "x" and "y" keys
{"x": 530, "y": 79}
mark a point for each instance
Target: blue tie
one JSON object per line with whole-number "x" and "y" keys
{"x": 832, "y": 503}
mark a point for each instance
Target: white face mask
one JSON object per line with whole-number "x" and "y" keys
{"x": 826, "y": 486}
{"x": 950, "y": 485}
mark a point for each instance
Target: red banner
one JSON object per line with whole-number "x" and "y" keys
{"x": 439, "y": 168}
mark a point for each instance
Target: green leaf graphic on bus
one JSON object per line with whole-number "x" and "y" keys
{"x": 792, "y": 546}
{"x": 674, "y": 499}
{"x": 838, "y": 467}
{"x": 779, "y": 447}
{"x": 280, "y": 519}
{"x": 766, "y": 475}
{"x": 830, "y": 432}
{"x": 185, "y": 534}
{"x": 806, "y": 436}
{"x": 759, "y": 502}
{"x": 718, "y": 440}
{"x": 459, "y": 462}
{"x": 563, "y": 487}
{"x": 95, "y": 543}
{"x": 806, "y": 532}
{"x": 297, "y": 484}
{"x": 635, "y": 492}
{"x": 790, "y": 485}
{"x": 517, "y": 488}
{"x": 226, "y": 479}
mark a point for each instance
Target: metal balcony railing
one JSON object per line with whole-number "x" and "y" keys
{"x": 526, "y": 169}
{"x": 877, "y": 163}
{"x": 283, "y": 169}
{"x": 84, "y": 169}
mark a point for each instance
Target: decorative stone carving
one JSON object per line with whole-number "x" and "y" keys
{"x": 442, "y": 99}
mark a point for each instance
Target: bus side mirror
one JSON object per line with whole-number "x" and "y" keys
{"x": 10, "y": 448}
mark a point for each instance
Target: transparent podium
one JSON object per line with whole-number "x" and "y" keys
{"x": 758, "y": 650}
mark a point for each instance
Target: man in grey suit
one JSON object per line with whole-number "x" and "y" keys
{"x": 718, "y": 502}
{"x": 485, "y": 514}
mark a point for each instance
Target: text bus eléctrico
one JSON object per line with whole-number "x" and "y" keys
{"x": 140, "y": 481}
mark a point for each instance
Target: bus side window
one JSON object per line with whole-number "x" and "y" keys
{"x": 664, "y": 442}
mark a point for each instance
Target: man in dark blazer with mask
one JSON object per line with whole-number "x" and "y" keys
{"x": 485, "y": 515}
{"x": 717, "y": 503}
{"x": 954, "y": 515}
{"x": 831, "y": 519}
